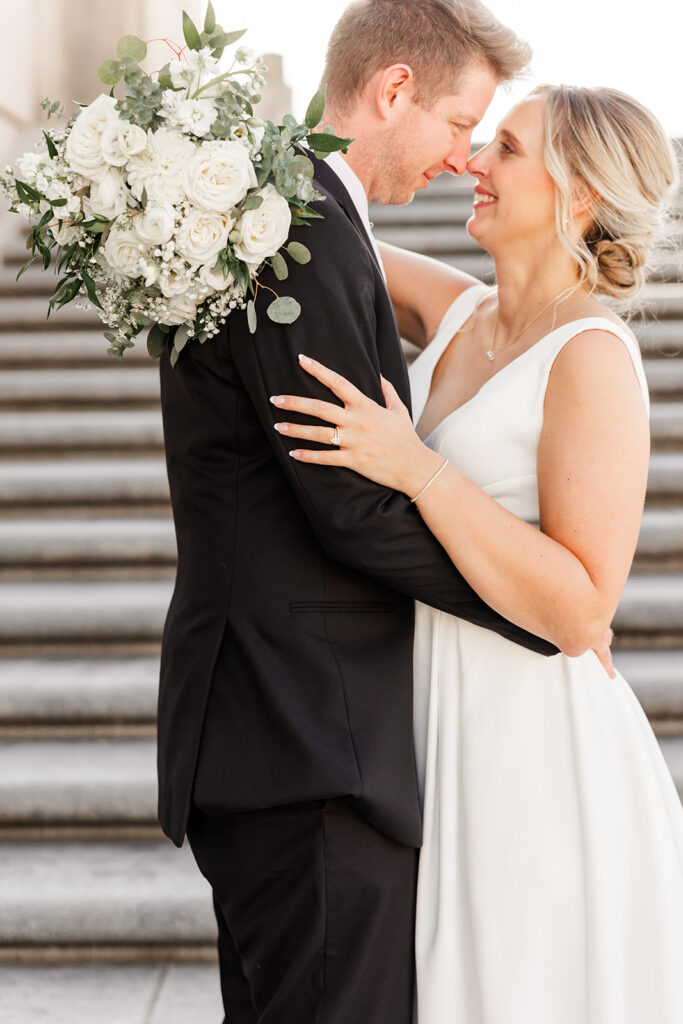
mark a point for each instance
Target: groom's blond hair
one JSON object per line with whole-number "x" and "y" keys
{"x": 437, "y": 39}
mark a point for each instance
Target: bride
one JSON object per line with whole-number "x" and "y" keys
{"x": 551, "y": 876}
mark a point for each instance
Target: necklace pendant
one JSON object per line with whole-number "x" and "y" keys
{"x": 491, "y": 354}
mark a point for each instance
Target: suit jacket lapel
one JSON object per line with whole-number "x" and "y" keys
{"x": 333, "y": 184}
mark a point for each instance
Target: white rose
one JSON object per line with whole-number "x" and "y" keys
{"x": 132, "y": 138}
{"x": 111, "y": 147}
{"x": 219, "y": 175}
{"x": 160, "y": 167}
{"x": 173, "y": 284}
{"x": 264, "y": 230}
{"x": 156, "y": 224}
{"x": 107, "y": 197}
{"x": 215, "y": 280}
{"x": 84, "y": 144}
{"x": 150, "y": 271}
{"x": 181, "y": 310}
{"x": 202, "y": 235}
{"x": 122, "y": 251}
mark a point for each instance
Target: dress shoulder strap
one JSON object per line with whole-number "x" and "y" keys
{"x": 557, "y": 339}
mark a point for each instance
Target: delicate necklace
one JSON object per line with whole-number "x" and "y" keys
{"x": 491, "y": 352}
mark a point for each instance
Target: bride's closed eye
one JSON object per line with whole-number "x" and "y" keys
{"x": 504, "y": 148}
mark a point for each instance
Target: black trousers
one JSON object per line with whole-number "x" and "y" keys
{"x": 316, "y": 913}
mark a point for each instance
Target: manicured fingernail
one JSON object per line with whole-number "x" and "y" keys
{"x": 296, "y": 454}
{"x": 278, "y": 400}
{"x": 305, "y": 360}
{"x": 282, "y": 428}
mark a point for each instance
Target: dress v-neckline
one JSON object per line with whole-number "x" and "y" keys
{"x": 442, "y": 347}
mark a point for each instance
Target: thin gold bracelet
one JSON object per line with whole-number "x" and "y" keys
{"x": 430, "y": 482}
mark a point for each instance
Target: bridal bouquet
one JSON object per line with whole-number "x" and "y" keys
{"x": 162, "y": 206}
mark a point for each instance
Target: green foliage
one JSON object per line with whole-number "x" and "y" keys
{"x": 299, "y": 253}
{"x": 192, "y": 37}
{"x": 316, "y": 108}
{"x": 110, "y": 72}
{"x": 280, "y": 268}
{"x": 252, "y": 319}
{"x": 210, "y": 19}
{"x": 132, "y": 47}
{"x": 284, "y": 310}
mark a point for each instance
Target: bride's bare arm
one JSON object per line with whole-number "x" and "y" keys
{"x": 421, "y": 291}
{"x": 563, "y": 582}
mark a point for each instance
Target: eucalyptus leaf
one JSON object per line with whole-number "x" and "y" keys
{"x": 181, "y": 338}
{"x": 280, "y": 268}
{"x": 316, "y": 108}
{"x": 156, "y": 340}
{"x": 165, "y": 80}
{"x": 26, "y": 266}
{"x": 299, "y": 253}
{"x": 110, "y": 72}
{"x": 192, "y": 37}
{"x": 252, "y": 319}
{"x": 133, "y": 47}
{"x": 210, "y": 19}
{"x": 284, "y": 310}
{"x": 252, "y": 203}
{"x": 224, "y": 39}
{"x": 323, "y": 142}
{"x": 175, "y": 354}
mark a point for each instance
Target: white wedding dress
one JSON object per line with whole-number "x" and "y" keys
{"x": 551, "y": 877}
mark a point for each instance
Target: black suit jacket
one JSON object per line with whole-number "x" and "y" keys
{"x": 286, "y": 670}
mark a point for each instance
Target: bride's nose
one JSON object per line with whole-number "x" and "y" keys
{"x": 477, "y": 165}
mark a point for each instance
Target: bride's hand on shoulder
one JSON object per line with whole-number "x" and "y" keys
{"x": 376, "y": 441}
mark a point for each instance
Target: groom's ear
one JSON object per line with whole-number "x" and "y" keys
{"x": 393, "y": 87}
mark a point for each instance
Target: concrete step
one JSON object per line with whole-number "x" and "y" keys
{"x": 78, "y": 782}
{"x": 114, "y": 782}
{"x": 656, "y": 678}
{"x": 111, "y": 385}
{"x": 110, "y": 611}
{"x": 60, "y": 348}
{"x": 33, "y": 282}
{"x": 661, "y": 535}
{"x": 665, "y": 480}
{"x": 95, "y": 482}
{"x": 116, "y": 611}
{"x": 41, "y": 542}
{"x": 666, "y": 423}
{"x": 651, "y": 605}
{"x": 30, "y": 313}
{"x": 134, "y": 429}
{"x": 150, "y": 541}
{"x": 94, "y": 894}
{"x": 123, "y": 994}
{"x": 43, "y": 692}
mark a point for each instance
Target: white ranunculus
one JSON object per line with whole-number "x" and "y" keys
{"x": 215, "y": 280}
{"x": 181, "y": 309}
{"x": 173, "y": 284}
{"x": 64, "y": 234}
{"x": 194, "y": 117}
{"x": 156, "y": 224}
{"x": 84, "y": 144}
{"x": 122, "y": 251}
{"x": 202, "y": 235}
{"x": 160, "y": 167}
{"x": 219, "y": 175}
{"x": 264, "y": 230}
{"x": 108, "y": 197}
{"x": 132, "y": 138}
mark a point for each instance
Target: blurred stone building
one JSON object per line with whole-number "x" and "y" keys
{"x": 52, "y": 48}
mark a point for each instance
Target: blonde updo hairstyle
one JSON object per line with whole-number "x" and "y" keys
{"x": 603, "y": 141}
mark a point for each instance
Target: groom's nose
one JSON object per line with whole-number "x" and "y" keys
{"x": 456, "y": 161}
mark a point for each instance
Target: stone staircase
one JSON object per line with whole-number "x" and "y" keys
{"x": 86, "y": 564}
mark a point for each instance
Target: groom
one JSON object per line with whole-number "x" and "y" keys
{"x": 285, "y": 709}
